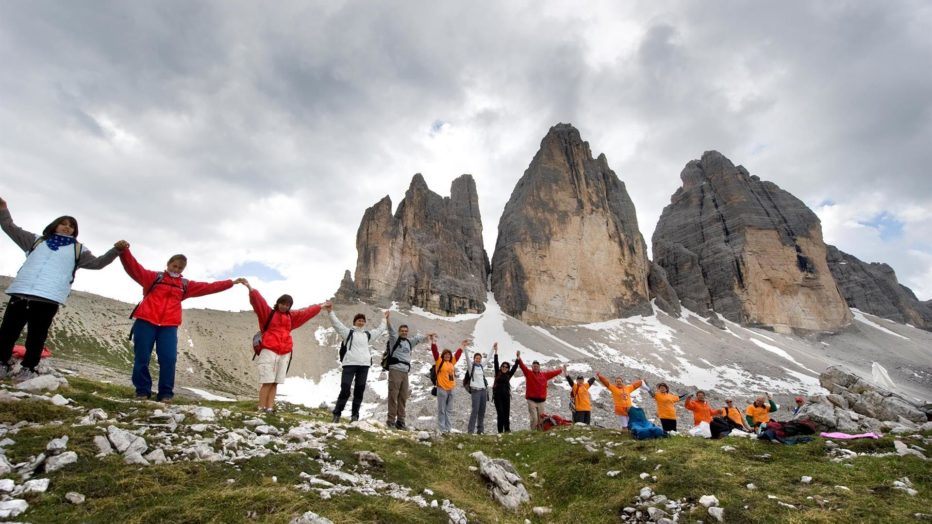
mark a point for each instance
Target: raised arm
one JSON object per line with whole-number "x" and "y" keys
{"x": 260, "y": 306}
{"x": 569, "y": 381}
{"x": 524, "y": 369}
{"x": 24, "y": 239}
{"x": 377, "y": 332}
{"x": 341, "y": 330}
{"x": 134, "y": 269}
{"x": 434, "y": 351}
{"x": 300, "y": 316}
{"x": 603, "y": 380}
{"x": 773, "y": 405}
{"x": 200, "y": 289}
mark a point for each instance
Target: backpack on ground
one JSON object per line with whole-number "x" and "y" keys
{"x": 552, "y": 421}
{"x": 257, "y": 338}
{"x": 388, "y": 355}
{"x": 640, "y": 427}
{"x": 348, "y": 343}
{"x": 77, "y": 253}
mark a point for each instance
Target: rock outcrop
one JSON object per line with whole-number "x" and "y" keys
{"x": 661, "y": 292}
{"x": 569, "y": 249}
{"x": 748, "y": 250}
{"x": 429, "y": 254}
{"x": 873, "y": 288}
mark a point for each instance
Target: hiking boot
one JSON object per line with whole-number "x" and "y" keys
{"x": 336, "y": 419}
{"x": 6, "y": 371}
{"x": 390, "y": 424}
{"x": 400, "y": 424}
{"x": 143, "y": 396}
{"x": 166, "y": 400}
{"x": 354, "y": 418}
{"x": 25, "y": 374}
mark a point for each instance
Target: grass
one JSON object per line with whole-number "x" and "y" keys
{"x": 570, "y": 479}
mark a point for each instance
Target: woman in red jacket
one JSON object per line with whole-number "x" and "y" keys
{"x": 275, "y": 354}
{"x": 158, "y": 317}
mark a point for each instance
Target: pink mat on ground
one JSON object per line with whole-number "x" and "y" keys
{"x": 846, "y": 436}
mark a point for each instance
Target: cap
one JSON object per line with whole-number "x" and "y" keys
{"x": 800, "y": 399}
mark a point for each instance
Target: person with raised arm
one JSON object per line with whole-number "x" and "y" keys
{"x": 536, "y": 390}
{"x": 501, "y": 390}
{"x": 478, "y": 387}
{"x": 158, "y": 316}
{"x": 355, "y": 357}
{"x": 399, "y": 353}
{"x": 666, "y": 405}
{"x": 580, "y": 400}
{"x": 621, "y": 396}
{"x": 759, "y": 411}
{"x": 41, "y": 285}
{"x": 702, "y": 410}
{"x": 276, "y": 345}
{"x": 445, "y": 369}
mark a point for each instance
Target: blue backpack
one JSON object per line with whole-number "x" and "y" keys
{"x": 641, "y": 428}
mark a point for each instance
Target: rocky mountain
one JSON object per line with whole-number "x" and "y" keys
{"x": 874, "y": 288}
{"x": 569, "y": 249}
{"x": 428, "y": 254}
{"x": 741, "y": 247}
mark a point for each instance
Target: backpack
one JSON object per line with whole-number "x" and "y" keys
{"x": 348, "y": 343}
{"x": 257, "y": 338}
{"x": 77, "y": 254}
{"x": 640, "y": 427}
{"x": 387, "y": 358}
{"x": 467, "y": 379}
{"x": 552, "y": 421}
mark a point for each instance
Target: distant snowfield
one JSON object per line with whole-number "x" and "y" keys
{"x": 860, "y": 317}
{"x": 307, "y": 392}
{"x": 207, "y": 395}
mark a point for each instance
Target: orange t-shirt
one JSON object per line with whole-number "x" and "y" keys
{"x": 702, "y": 411}
{"x": 446, "y": 377}
{"x": 760, "y": 415}
{"x": 666, "y": 405}
{"x": 621, "y": 395}
{"x": 583, "y": 401}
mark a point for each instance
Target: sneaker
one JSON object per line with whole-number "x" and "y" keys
{"x": 166, "y": 400}
{"x": 143, "y": 396}
{"x": 354, "y": 418}
{"x": 6, "y": 371}
{"x": 336, "y": 419}
{"x": 25, "y": 374}
{"x": 400, "y": 424}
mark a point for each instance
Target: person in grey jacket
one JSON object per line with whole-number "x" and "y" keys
{"x": 399, "y": 348}
{"x": 478, "y": 387}
{"x": 42, "y": 284}
{"x": 356, "y": 361}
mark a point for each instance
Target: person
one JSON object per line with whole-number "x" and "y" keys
{"x": 621, "y": 395}
{"x": 478, "y": 387}
{"x": 702, "y": 411}
{"x": 733, "y": 416}
{"x": 41, "y": 285}
{"x": 400, "y": 348}
{"x": 445, "y": 367}
{"x": 666, "y": 405}
{"x": 580, "y": 400}
{"x": 501, "y": 391}
{"x": 536, "y": 389}
{"x": 276, "y": 325}
{"x": 800, "y": 402}
{"x": 356, "y": 360}
{"x": 758, "y": 412}
{"x": 157, "y": 319}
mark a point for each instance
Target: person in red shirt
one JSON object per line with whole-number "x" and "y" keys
{"x": 536, "y": 392}
{"x": 158, "y": 317}
{"x": 276, "y": 325}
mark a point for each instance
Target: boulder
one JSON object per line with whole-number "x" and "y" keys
{"x": 310, "y": 518}
{"x": 12, "y": 508}
{"x": 57, "y": 462}
{"x": 504, "y": 481}
{"x": 748, "y": 250}
{"x": 75, "y": 498}
{"x": 822, "y": 414}
{"x": 42, "y": 383}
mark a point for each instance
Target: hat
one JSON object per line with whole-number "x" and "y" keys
{"x": 800, "y": 399}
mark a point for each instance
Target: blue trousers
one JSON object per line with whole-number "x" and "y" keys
{"x": 165, "y": 339}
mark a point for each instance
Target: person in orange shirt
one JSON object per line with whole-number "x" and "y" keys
{"x": 621, "y": 395}
{"x": 666, "y": 405}
{"x": 581, "y": 401}
{"x": 702, "y": 411}
{"x": 759, "y": 413}
{"x": 445, "y": 366}
{"x": 733, "y": 416}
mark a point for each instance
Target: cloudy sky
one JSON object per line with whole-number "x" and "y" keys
{"x": 251, "y": 136}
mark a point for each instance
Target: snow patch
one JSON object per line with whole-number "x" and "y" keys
{"x": 490, "y": 328}
{"x": 207, "y": 395}
{"x": 862, "y": 318}
{"x": 779, "y": 352}
{"x": 322, "y": 334}
{"x": 455, "y": 318}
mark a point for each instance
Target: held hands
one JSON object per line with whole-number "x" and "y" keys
{"x": 518, "y": 355}
{"x": 242, "y": 281}
{"x": 2, "y": 203}
{"x": 465, "y": 343}
{"x": 328, "y": 305}
{"x": 495, "y": 348}
{"x": 120, "y": 245}
{"x": 387, "y": 314}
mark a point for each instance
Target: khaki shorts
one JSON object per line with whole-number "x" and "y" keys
{"x": 272, "y": 366}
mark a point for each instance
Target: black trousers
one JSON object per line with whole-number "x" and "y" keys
{"x": 20, "y": 313}
{"x": 668, "y": 424}
{"x": 359, "y": 374}
{"x": 502, "y": 410}
{"x": 582, "y": 416}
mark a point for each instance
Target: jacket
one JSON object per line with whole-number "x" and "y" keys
{"x": 536, "y": 383}
{"x": 446, "y": 371}
{"x": 403, "y": 352}
{"x": 47, "y": 274}
{"x": 702, "y": 411}
{"x": 502, "y": 384}
{"x": 277, "y": 337}
{"x": 620, "y": 395}
{"x": 161, "y": 303}
{"x": 579, "y": 394}
{"x": 360, "y": 353}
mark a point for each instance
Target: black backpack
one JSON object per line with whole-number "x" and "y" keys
{"x": 348, "y": 343}
{"x": 387, "y": 357}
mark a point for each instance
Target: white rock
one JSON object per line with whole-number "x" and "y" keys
{"x": 14, "y": 507}
{"x": 644, "y": 476}
{"x": 57, "y": 462}
{"x": 97, "y": 414}
{"x": 74, "y": 497}
{"x": 423, "y": 435}
{"x": 133, "y": 457}
{"x": 902, "y": 450}
{"x": 57, "y": 445}
{"x": 646, "y": 493}
{"x": 35, "y": 486}
{"x": 751, "y": 486}
{"x": 728, "y": 448}
{"x": 717, "y": 513}
{"x": 126, "y": 442}
{"x": 5, "y": 466}
{"x": 843, "y": 488}
{"x": 613, "y": 473}
{"x": 156, "y": 456}
{"x": 540, "y": 511}
{"x": 806, "y": 479}
{"x": 310, "y": 518}
{"x": 198, "y": 428}
{"x": 204, "y": 414}
{"x": 103, "y": 445}
{"x": 434, "y": 503}
{"x": 7, "y": 442}
{"x": 59, "y": 400}
{"x": 708, "y": 501}
{"x": 6, "y": 485}
{"x": 42, "y": 382}
{"x": 268, "y": 430}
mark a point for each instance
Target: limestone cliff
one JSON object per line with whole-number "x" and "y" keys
{"x": 428, "y": 254}
{"x": 569, "y": 249}
{"x": 748, "y": 250}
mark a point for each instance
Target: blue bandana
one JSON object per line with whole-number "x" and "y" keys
{"x": 56, "y": 241}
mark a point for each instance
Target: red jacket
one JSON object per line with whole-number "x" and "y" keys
{"x": 537, "y": 382}
{"x": 278, "y": 337}
{"x": 162, "y": 306}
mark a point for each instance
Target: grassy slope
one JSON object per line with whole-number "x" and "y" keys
{"x": 572, "y": 480}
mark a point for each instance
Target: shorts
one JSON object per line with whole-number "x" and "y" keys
{"x": 272, "y": 366}
{"x": 622, "y": 420}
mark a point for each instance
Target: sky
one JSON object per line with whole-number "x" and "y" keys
{"x": 252, "y": 136}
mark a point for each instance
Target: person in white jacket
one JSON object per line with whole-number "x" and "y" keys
{"x": 356, "y": 359}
